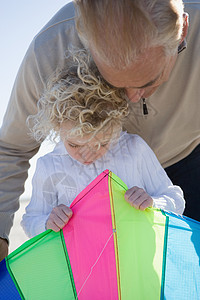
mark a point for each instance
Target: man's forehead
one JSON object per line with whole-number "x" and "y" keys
{"x": 139, "y": 74}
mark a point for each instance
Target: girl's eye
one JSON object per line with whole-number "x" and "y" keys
{"x": 73, "y": 146}
{"x": 104, "y": 145}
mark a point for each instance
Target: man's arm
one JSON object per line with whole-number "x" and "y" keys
{"x": 45, "y": 54}
{"x": 3, "y": 249}
{"x": 16, "y": 146}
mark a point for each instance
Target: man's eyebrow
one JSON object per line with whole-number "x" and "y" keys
{"x": 137, "y": 87}
{"x": 147, "y": 84}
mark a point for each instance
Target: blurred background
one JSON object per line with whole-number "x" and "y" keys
{"x": 20, "y": 21}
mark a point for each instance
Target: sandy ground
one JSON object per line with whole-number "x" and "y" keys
{"x": 17, "y": 235}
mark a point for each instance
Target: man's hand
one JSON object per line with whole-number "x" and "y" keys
{"x": 3, "y": 248}
{"x": 59, "y": 217}
{"x": 138, "y": 198}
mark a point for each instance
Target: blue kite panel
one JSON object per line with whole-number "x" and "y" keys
{"x": 8, "y": 290}
{"x": 182, "y": 259}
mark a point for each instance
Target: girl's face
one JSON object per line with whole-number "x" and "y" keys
{"x": 85, "y": 149}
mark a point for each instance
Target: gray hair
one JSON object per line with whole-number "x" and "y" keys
{"x": 120, "y": 30}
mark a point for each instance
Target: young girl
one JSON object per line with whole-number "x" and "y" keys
{"x": 86, "y": 113}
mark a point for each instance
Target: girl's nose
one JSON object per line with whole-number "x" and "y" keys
{"x": 87, "y": 152}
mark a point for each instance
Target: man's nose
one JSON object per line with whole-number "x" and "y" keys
{"x": 135, "y": 95}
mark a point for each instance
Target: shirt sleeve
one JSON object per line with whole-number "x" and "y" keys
{"x": 43, "y": 199}
{"x": 157, "y": 184}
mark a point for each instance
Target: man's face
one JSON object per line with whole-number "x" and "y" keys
{"x": 141, "y": 78}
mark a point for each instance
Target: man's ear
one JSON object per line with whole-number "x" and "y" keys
{"x": 185, "y": 26}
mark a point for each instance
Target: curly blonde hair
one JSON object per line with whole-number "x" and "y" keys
{"x": 81, "y": 95}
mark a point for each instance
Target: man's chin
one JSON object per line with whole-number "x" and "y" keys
{"x": 134, "y": 101}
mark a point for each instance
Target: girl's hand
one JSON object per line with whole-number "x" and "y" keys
{"x": 59, "y": 217}
{"x": 138, "y": 198}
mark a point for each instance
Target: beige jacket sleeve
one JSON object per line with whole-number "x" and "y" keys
{"x": 45, "y": 54}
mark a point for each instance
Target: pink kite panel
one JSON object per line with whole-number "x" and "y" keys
{"x": 91, "y": 248}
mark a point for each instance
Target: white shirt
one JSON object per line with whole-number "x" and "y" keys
{"x": 58, "y": 179}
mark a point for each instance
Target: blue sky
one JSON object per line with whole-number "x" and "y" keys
{"x": 20, "y": 21}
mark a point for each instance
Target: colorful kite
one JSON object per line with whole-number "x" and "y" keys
{"x": 108, "y": 250}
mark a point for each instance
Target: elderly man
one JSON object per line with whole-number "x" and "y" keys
{"x": 135, "y": 45}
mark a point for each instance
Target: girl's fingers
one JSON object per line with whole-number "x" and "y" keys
{"x": 138, "y": 198}
{"x": 59, "y": 217}
{"x": 130, "y": 192}
{"x": 146, "y": 203}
